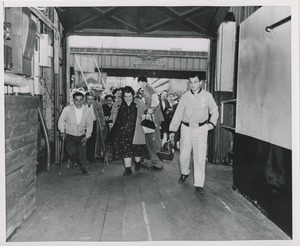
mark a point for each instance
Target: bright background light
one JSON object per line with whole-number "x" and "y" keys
{"x": 186, "y": 44}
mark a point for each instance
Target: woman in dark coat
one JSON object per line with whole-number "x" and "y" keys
{"x": 129, "y": 141}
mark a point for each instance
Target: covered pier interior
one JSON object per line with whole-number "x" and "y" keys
{"x": 247, "y": 67}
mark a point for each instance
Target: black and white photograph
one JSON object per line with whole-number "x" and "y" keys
{"x": 150, "y": 123}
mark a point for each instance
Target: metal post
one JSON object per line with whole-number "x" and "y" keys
{"x": 62, "y": 149}
{"x": 208, "y": 77}
{"x": 56, "y": 87}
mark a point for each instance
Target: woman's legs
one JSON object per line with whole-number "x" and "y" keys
{"x": 127, "y": 163}
{"x": 137, "y": 161}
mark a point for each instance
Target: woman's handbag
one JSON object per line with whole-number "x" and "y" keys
{"x": 166, "y": 152}
{"x": 148, "y": 125}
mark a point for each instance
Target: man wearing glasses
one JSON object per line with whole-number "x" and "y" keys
{"x": 107, "y": 106}
{"x": 75, "y": 125}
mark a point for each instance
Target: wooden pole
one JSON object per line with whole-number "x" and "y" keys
{"x": 81, "y": 71}
{"x": 103, "y": 83}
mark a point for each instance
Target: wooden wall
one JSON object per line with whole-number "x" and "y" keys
{"x": 220, "y": 149}
{"x": 21, "y": 118}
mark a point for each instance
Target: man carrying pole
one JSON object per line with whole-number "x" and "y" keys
{"x": 98, "y": 124}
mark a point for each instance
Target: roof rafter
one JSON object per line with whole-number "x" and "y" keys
{"x": 141, "y": 19}
{"x": 121, "y": 23}
{"x": 100, "y": 15}
{"x": 174, "y": 16}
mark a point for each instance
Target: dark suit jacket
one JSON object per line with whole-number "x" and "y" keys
{"x": 167, "y": 114}
{"x": 98, "y": 111}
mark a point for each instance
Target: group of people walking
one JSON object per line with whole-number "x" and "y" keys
{"x": 119, "y": 119}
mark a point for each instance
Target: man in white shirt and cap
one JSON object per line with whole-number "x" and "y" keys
{"x": 197, "y": 113}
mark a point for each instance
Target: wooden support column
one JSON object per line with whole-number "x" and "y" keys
{"x": 67, "y": 67}
{"x": 56, "y": 85}
{"x": 211, "y": 85}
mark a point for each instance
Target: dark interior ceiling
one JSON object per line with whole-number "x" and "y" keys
{"x": 195, "y": 21}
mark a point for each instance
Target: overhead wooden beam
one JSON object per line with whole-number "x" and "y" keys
{"x": 159, "y": 25}
{"x": 194, "y": 11}
{"x": 122, "y": 23}
{"x": 187, "y": 14}
{"x": 141, "y": 19}
{"x": 216, "y": 20}
{"x": 86, "y": 22}
{"x": 193, "y": 21}
{"x": 127, "y": 33}
{"x": 181, "y": 19}
{"x": 65, "y": 16}
{"x": 100, "y": 15}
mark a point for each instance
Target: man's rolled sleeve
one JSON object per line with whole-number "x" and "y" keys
{"x": 62, "y": 121}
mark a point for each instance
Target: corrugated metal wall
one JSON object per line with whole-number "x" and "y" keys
{"x": 242, "y": 13}
{"x": 138, "y": 59}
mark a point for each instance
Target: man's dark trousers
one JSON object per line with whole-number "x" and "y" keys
{"x": 76, "y": 150}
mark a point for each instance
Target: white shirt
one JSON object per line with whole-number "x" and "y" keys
{"x": 163, "y": 104}
{"x": 78, "y": 114}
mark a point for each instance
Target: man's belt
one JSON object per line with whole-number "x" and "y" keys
{"x": 200, "y": 124}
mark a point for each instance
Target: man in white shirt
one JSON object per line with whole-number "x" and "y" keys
{"x": 75, "y": 125}
{"x": 197, "y": 113}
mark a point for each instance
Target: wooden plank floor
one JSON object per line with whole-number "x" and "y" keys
{"x": 147, "y": 206}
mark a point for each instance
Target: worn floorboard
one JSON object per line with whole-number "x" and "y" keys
{"x": 147, "y": 206}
